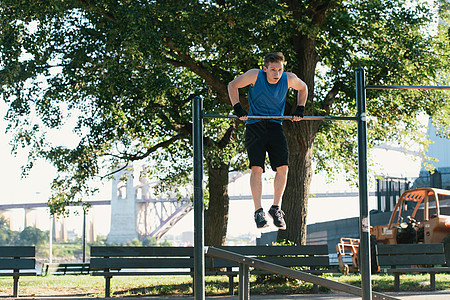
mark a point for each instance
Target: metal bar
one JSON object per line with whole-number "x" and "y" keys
{"x": 364, "y": 245}
{"x": 199, "y": 243}
{"x": 16, "y": 285}
{"x": 407, "y": 87}
{"x": 277, "y": 269}
{"x": 306, "y": 118}
{"x": 244, "y": 282}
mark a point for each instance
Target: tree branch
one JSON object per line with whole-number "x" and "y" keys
{"x": 199, "y": 69}
{"x": 115, "y": 171}
{"x": 106, "y": 15}
{"x": 156, "y": 147}
{"x": 227, "y": 136}
{"x": 329, "y": 98}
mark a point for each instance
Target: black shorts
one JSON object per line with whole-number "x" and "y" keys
{"x": 266, "y": 136}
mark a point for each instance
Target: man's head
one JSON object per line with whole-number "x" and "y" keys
{"x": 273, "y": 66}
{"x": 273, "y": 58}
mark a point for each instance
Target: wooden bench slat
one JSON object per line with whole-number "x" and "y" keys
{"x": 17, "y": 251}
{"x": 416, "y": 259}
{"x": 142, "y": 273}
{"x": 406, "y": 249}
{"x": 118, "y": 251}
{"x": 141, "y": 263}
{"x": 21, "y": 263}
{"x": 278, "y": 250}
{"x": 65, "y": 268}
{"x": 419, "y": 270}
{"x": 315, "y": 261}
{"x": 19, "y": 273}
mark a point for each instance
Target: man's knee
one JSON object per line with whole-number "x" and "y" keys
{"x": 257, "y": 171}
{"x": 283, "y": 170}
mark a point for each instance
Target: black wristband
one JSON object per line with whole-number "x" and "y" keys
{"x": 300, "y": 111}
{"x": 239, "y": 111}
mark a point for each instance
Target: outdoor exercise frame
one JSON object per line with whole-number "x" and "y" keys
{"x": 364, "y": 224}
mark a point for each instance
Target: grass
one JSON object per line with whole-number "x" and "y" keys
{"x": 93, "y": 286}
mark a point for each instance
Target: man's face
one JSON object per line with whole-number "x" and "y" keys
{"x": 274, "y": 71}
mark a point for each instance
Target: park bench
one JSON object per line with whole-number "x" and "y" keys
{"x": 65, "y": 269}
{"x": 313, "y": 259}
{"x": 135, "y": 261}
{"x": 412, "y": 258}
{"x": 16, "y": 262}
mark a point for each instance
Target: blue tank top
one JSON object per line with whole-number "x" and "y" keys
{"x": 265, "y": 99}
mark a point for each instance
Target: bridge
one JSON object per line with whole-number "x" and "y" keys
{"x": 134, "y": 214}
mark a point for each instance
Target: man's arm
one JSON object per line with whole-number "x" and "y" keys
{"x": 248, "y": 78}
{"x": 299, "y": 85}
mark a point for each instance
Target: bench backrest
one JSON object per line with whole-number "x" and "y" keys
{"x": 17, "y": 257}
{"x": 287, "y": 256}
{"x": 141, "y": 257}
{"x": 410, "y": 254}
{"x": 183, "y": 257}
{"x": 65, "y": 268}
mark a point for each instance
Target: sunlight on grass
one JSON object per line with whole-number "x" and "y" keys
{"x": 93, "y": 286}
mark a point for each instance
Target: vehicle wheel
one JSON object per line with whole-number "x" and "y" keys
{"x": 446, "y": 242}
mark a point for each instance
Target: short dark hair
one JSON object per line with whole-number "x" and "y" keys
{"x": 273, "y": 57}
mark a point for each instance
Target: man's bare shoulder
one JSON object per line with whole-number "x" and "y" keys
{"x": 294, "y": 81}
{"x": 291, "y": 75}
{"x": 248, "y": 78}
{"x": 252, "y": 72}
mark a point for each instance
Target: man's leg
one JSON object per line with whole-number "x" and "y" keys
{"x": 256, "y": 185}
{"x": 279, "y": 184}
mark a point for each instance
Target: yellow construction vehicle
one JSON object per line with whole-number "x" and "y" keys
{"x": 416, "y": 218}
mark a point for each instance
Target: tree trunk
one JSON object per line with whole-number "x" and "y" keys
{"x": 219, "y": 201}
{"x": 300, "y": 137}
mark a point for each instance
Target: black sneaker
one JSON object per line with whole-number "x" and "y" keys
{"x": 260, "y": 219}
{"x": 278, "y": 217}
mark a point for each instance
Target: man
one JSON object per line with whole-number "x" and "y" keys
{"x": 267, "y": 97}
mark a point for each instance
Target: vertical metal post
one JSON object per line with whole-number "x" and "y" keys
{"x": 199, "y": 243}
{"x": 50, "y": 240}
{"x": 244, "y": 282}
{"x": 84, "y": 235}
{"x": 364, "y": 245}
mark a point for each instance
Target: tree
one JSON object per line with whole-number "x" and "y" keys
{"x": 130, "y": 69}
{"x": 7, "y": 236}
{"x": 32, "y": 236}
{"x": 131, "y": 100}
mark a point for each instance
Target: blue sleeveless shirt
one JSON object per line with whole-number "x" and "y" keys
{"x": 265, "y": 99}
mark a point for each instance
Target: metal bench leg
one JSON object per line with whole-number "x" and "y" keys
{"x": 433, "y": 281}
{"x": 16, "y": 287}
{"x": 244, "y": 282}
{"x": 231, "y": 284}
{"x": 108, "y": 286}
{"x": 315, "y": 289}
{"x": 396, "y": 282}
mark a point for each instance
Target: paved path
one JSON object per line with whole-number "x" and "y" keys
{"x": 436, "y": 295}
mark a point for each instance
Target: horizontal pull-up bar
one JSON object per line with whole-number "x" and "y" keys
{"x": 305, "y": 118}
{"x": 407, "y": 87}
